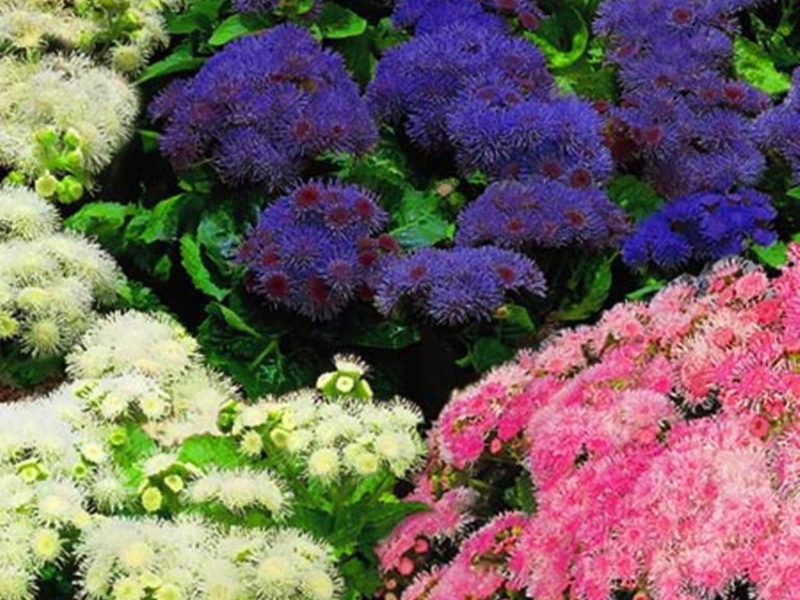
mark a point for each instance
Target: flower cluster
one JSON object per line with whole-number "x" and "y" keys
{"x": 314, "y": 250}
{"x": 190, "y": 559}
{"x": 659, "y": 449}
{"x": 523, "y": 215}
{"x": 778, "y": 129}
{"x": 263, "y": 108}
{"x": 124, "y": 33}
{"x": 455, "y": 286}
{"x": 334, "y": 440}
{"x": 283, "y": 7}
{"x": 62, "y": 115}
{"x": 702, "y": 226}
{"x": 680, "y": 113}
{"x": 50, "y": 282}
{"x": 427, "y": 16}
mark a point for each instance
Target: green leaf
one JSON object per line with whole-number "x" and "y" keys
{"x": 203, "y": 450}
{"x": 164, "y": 219}
{"x": 651, "y": 286}
{"x": 216, "y": 234}
{"x": 794, "y": 192}
{"x": 419, "y": 221}
{"x": 380, "y": 519}
{"x": 336, "y": 22}
{"x": 563, "y": 37}
{"x": 235, "y": 26}
{"x": 638, "y": 198}
{"x": 192, "y": 261}
{"x": 485, "y": 353}
{"x": 103, "y": 220}
{"x": 235, "y": 321}
{"x": 595, "y": 281}
{"x": 384, "y": 334}
{"x": 197, "y": 15}
{"x": 754, "y": 65}
{"x": 149, "y": 140}
{"x": 774, "y": 255}
{"x": 180, "y": 60}
{"x": 361, "y": 578}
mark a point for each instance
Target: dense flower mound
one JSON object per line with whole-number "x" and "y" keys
{"x": 426, "y": 16}
{"x": 316, "y": 249}
{"x": 453, "y": 287}
{"x": 62, "y": 114}
{"x": 51, "y": 282}
{"x": 778, "y": 129}
{"x": 123, "y": 34}
{"x": 702, "y": 226}
{"x": 262, "y": 108}
{"x": 283, "y": 6}
{"x": 144, "y": 428}
{"x": 525, "y": 215}
{"x": 660, "y": 449}
{"x": 680, "y": 112}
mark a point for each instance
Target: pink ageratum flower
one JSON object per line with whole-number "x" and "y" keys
{"x": 661, "y": 448}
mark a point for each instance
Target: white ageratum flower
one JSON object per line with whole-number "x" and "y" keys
{"x": 324, "y": 464}
{"x": 63, "y": 93}
{"x": 154, "y": 345}
{"x": 108, "y": 489}
{"x": 16, "y": 582}
{"x": 24, "y": 215}
{"x": 59, "y": 503}
{"x": 240, "y": 489}
{"x": 46, "y": 544}
{"x": 29, "y": 25}
{"x": 158, "y": 463}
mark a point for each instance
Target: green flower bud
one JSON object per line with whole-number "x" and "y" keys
{"x": 72, "y": 139}
{"x": 47, "y": 136}
{"x": 16, "y": 178}
{"x": 118, "y": 437}
{"x": 69, "y": 190}
{"x": 152, "y": 499}
{"x": 46, "y": 185}
{"x": 9, "y": 326}
{"x": 74, "y": 160}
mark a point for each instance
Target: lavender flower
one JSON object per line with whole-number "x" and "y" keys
{"x": 314, "y": 250}
{"x": 263, "y": 6}
{"x": 778, "y": 130}
{"x": 702, "y": 226}
{"x": 455, "y": 286}
{"x": 540, "y": 214}
{"x": 262, "y": 108}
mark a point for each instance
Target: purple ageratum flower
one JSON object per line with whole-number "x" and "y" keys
{"x": 427, "y": 16}
{"x": 262, "y": 6}
{"x": 495, "y": 129}
{"x": 419, "y": 83}
{"x": 778, "y": 130}
{"x": 702, "y": 226}
{"x": 453, "y": 287}
{"x": 262, "y": 108}
{"x": 680, "y": 115}
{"x": 314, "y": 250}
{"x": 524, "y": 215}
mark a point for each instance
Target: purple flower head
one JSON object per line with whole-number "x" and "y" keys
{"x": 262, "y": 6}
{"x": 778, "y": 130}
{"x": 315, "y": 249}
{"x": 262, "y": 108}
{"x": 524, "y": 215}
{"x": 453, "y": 287}
{"x": 681, "y": 116}
{"x": 428, "y": 16}
{"x": 702, "y": 226}
{"x": 419, "y": 83}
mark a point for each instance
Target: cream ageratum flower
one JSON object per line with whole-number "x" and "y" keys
{"x": 240, "y": 489}
{"x": 66, "y": 96}
{"x": 119, "y": 395}
{"x": 50, "y": 282}
{"x": 29, "y": 25}
{"x": 153, "y": 345}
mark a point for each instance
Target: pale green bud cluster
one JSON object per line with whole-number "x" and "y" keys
{"x": 347, "y": 381}
{"x": 51, "y": 282}
{"x": 61, "y": 121}
{"x": 334, "y": 439}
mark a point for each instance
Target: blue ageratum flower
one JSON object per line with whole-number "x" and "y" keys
{"x": 702, "y": 226}
{"x": 419, "y": 84}
{"x": 263, "y": 6}
{"x": 427, "y": 16}
{"x": 264, "y": 107}
{"x": 456, "y": 286}
{"x": 541, "y": 214}
{"x": 680, "y": 113}
{"x": 317, "y": 249}
{"x": 778, "y": 130}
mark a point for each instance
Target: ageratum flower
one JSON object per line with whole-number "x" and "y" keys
{"x": 702, "y": 226}
{"x": 427, "y": 16}
{"x": 778, "y": 130}
{"x": 262, "y": 6}
{"x": 681, "y": 115}
{"x": 263, "y": 108}
{"x": 419, "y": 83}
{"x": 456, "y": 286}
{"x": 539, "y": 214}
{"x": 315, "y": 249}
